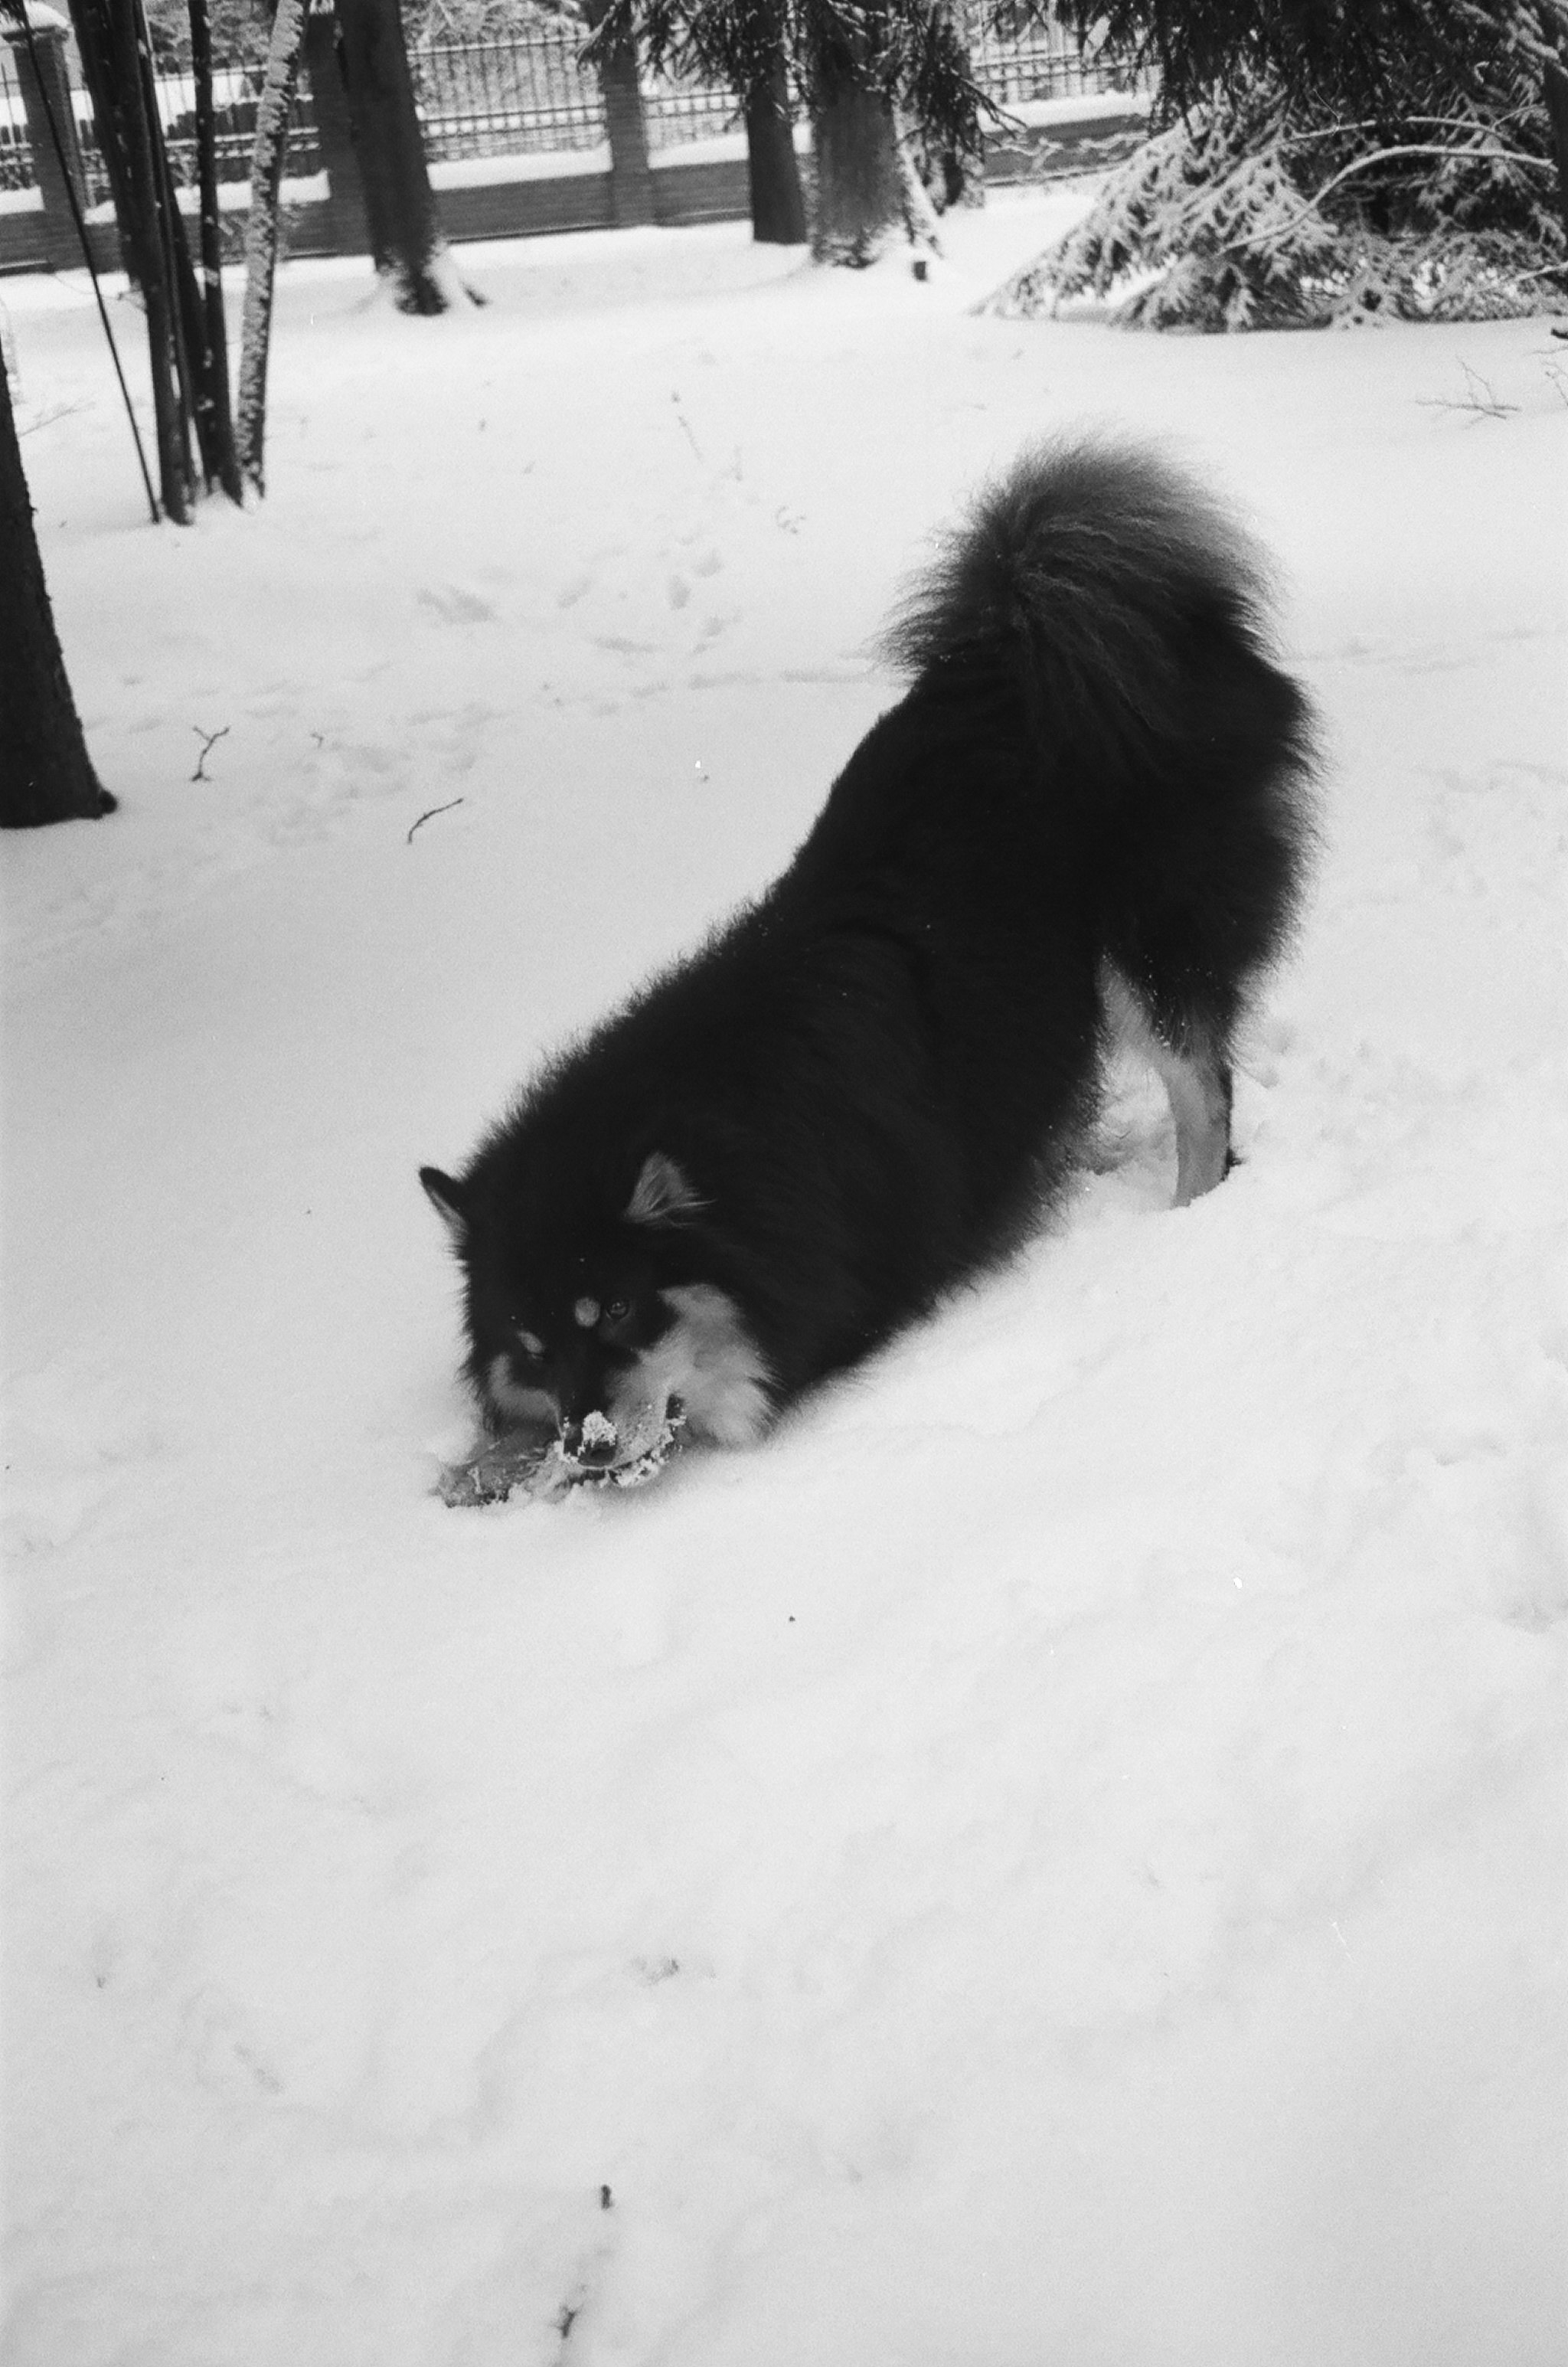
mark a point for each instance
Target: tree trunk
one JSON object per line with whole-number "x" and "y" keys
{"x": 406, "y": 244}
{"x": 141, "y": 141}
{"x": 1556, "y": 82}
{"x": 620, "y": 87}
{"x": 334, "y": 134}
{"x": 46, "y": 774}
{"x": 860, "y": 186}
{"x": 260, "y": 232}
{"x": 778, "y": 210}
{"x": 189, "y": 328}
{"x": 89, "y": 21}
{"x": 214, "y": 423}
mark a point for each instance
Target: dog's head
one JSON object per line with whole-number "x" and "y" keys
{"x": 597, "y": 1323}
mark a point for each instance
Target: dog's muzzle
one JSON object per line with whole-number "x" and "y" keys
{"x": 599, "y": 1448}
{"x": 594, "y": 1444}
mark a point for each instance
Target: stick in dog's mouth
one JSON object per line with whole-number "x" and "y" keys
{"x": 597, "y": 1459}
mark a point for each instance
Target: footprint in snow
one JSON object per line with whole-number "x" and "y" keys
{"x": 456, "y": 606}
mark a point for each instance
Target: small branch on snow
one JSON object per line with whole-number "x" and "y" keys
{"x": 1482, "y": 402}
{"x": 48, "y": 418}
{"x": 429, "y": 815}
{"x": 209, "y": 741}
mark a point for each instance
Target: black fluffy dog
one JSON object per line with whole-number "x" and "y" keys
{"x": 1089, "y": 812}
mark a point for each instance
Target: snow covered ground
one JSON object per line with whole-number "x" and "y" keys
{"x": 1057, "y": 1860}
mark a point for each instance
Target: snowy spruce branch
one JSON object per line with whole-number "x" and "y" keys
{"x": 1234, "y": 217}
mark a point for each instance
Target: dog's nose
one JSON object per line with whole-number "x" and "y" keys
{"x": 593, "y": 1441}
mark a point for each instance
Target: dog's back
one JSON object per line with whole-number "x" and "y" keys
{"x": 1090, "y": 805}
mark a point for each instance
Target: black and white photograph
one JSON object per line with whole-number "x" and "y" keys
{"x": 783, "y": 1183}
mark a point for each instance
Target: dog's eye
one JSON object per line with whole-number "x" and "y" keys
{"x": 616, "y": 1312}
{"x": 530, "y": 1342}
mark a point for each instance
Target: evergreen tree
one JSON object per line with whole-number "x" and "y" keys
{"x": 864, "y": 69}
{"x": 1316, "y": 163}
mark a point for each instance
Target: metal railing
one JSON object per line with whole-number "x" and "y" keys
{"x": 526, "y": 95}
{"x": 1046, "y": 62}
{"x": 522, "y": 96}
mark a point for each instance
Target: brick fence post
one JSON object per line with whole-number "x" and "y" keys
{"x": 45, "y": 85}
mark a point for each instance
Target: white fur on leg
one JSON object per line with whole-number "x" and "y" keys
{"x": 1194, "y": 1082}
{"x": 708, "y": 1360}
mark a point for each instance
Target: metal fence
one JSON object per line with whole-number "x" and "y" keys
{"x": 235, "y": 90}
{"x": 1046, "y": 62}
{"x": 521, "y": 96}
{"x": 525, "y": 94}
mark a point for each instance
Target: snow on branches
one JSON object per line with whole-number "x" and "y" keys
{"x": 1243, "y": 215}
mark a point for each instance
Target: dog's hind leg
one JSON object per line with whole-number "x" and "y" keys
{"x": 1192, "y": 1065}
{"x": 1199, "y": 1084}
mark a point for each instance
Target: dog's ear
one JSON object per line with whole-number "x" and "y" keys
{"x": 661, "y": 1195}
{"x": 446, "y": 1197}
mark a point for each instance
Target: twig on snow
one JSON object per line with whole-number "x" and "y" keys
{"x": 1482, "y": 402}
{"x": 209, "y": 741}
{"x": 429, "y": 815}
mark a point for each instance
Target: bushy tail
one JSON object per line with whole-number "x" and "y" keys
{"x": 1109, "y": 608}
{"x": 1114, "y": 591}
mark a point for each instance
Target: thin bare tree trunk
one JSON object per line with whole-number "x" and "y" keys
{"x": 260, "y": 232}
{"x": 180, "y": 273}
{"x": 214, "y": 423}
{"x": 154, "y": 237}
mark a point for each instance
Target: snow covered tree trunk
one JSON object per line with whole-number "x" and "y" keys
{"x": 860, "y": 180}
{"x": 778, "y": 209}
{"x": 46, "y": 774}
{"x": 918, "y": 211}
{"x": 409, "y": 254}
{"x": 261, "y": 232}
